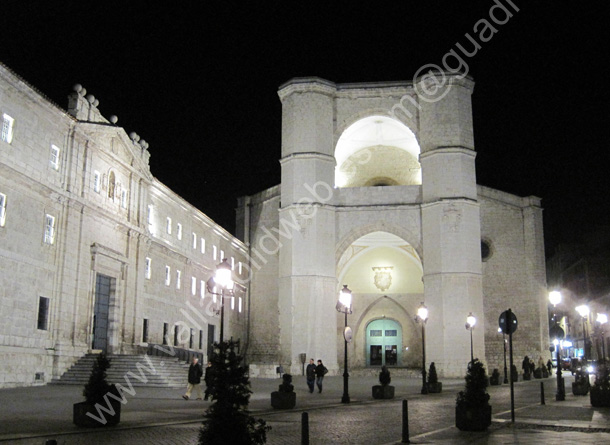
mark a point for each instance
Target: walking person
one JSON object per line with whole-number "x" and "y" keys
{"x": 194, "y": 380}
{"x": 208, "y": 378}
{"x": 310, "y": 375}
{"x": 320, "y": 373}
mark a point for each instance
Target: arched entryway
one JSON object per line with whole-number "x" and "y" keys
{"x": 383, "y": 343}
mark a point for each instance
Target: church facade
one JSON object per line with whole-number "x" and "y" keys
{"x": 378, "y": 192}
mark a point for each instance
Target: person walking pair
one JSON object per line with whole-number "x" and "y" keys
{"x": 315, "y": 374}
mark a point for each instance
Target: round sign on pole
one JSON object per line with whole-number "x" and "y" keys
{"x": 347, "y": 334}
{"x": 508, "y": 323}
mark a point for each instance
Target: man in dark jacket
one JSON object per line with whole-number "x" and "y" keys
{"x": 310, "y": 373}
{"x": 209, "y": 381}
{"x": 194, "y": 380}
{"x": 320, "y": 373}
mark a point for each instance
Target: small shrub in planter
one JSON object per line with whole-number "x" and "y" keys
{"x": 495, "y": 377}
{"x": 472, "y": 409}
{"x": 580, "y": 386}
{"x": 284, "y": 397}
{"x": 514, "y": 375}
{"x": 434, "y": 386}
{"x": 538, "y": 373}
{"x": 385, "y": 390}
{"x": 102, "y": 406}
{"x": 600, "y": 391}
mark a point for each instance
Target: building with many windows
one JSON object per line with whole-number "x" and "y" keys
{"x": 95, "y": 253}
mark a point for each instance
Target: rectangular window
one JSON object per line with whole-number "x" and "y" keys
{"x": 49, "y": 229}
{"x": 165, "y": 333}
{"x": 191, "y": 338}
{"x": 43, "y": 313}
{"x": 168, "y": 276}
{"x": 391, "y": 332}
{"x": 2, "y": 209}
{"x": 97, "y": 181}
{"x": 175, "y": 335}
{"x": 193, "y": 285}
{"x": 7, "y": 128}
{"x": 214, "y": 253}
{"x": 202, "y": 289}
{"x": 169, "y": 226}
{"x": 124, "y": 199}
{"x": 178, "y": 279}
{"x": 149, "y": 214}
{"x": 194, "y": 240}
{"x": 239, "y": 305}
{"x": 222, "y": 255}
{"x": 145, "y": 330}
{"x": 202, "y": 245}
{"x": 232, "y": 263}
{"x": 54, "y": 158}
{"x": 232, "y": 303}
{"x": 179, "y": 231}
{"x": 239, "y": 267}
{"x": 200, "y": 339}
{"x": 375, "y": 332}
{"x": 147, "y": 268}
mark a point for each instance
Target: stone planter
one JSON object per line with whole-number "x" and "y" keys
{"x": 435, "y": 387}
{"x": 600, "y": 397}
{"x": 283, "y": 400}
{"x": 527, "y": 376}
{"x": 580, "y": 389}
{"x": 383, "y": 392}
{"x": 538, "y": 373}
{"x": 472, "y": 419}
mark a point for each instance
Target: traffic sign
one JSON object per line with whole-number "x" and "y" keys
{"x": 508, "y": 322}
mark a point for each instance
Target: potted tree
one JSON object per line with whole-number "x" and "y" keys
{"x": 495, "y": 377}
{"x": 434, "y": 386}
{"x": 580, "y": 385}
{"x": 385, "y": 390}
{"x": 600, "y": 391}
{"x": 102, "y": 405}
{"x": 227, "y": 420}
{"x": 284, "y": 397}
{"x": 514, "y": 374}
{"x": 472, "y": 410}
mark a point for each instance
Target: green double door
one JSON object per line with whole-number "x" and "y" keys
{"x": 383, "y": 343}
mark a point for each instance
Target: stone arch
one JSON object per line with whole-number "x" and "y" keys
{"x": 379, "y": 226}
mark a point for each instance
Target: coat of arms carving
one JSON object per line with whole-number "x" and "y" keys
{"x": 383, "y": 277}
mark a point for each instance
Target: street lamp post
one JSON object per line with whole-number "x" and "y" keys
{"x": 222, "y": 281}
{"x": 422, "y": 317}
{"x": 505, "y": 367}
{"x": 471, "y": 320}
{"x": 602, "y": 319}
{"x": 583, "y": 311}
{"x": 557, "y": 334}
{"x": 344, "y": 305}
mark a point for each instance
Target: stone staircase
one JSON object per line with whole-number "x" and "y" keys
{"x": 139, "y": 370}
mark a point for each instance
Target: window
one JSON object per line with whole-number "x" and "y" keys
{"x": 232, "y": 303}
{"x": 168, "y": 277}
{"x": 191, "y": 338}
{"x": 202, "y": 245}
{"x": 49, "y": 229}
{"x": 175, "y": 335}
{"x": 54, "y": 159}
{"x": 239, "y": 305}
{"x": 124, "y": 199}
{"x": 169, "y": 226}
{"x": 214, "y": 252}
{"x": 232, "y": 263}
{"x": 222, "y": 255}
{"x": 200, "y": 339}
{"x": 97, "y": 179}
{"x": 391, "y": 332}
{"x": 375, "y": 332}
{"x": 202, "y": 288}
{"x": 193, "y": 285}
{"x": 145, "y": 330}
{"x": 147, "y": 268}
{"x": 149, "y": 214}
{"x": 194, "y": 240}
{"x": 43, "y": 313}
{"x": 178, "y": 279}
{"x": 239, "y": 267}
{"x": 7, "y": 128}
{"x": 165, "y": 333}
{"x": 2, "y": 209}
{"x": 179, "y": 230}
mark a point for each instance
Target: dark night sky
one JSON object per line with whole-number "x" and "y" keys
{"x": 198, "y": 80}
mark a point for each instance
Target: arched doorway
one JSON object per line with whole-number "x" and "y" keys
{"x": 383, "y": 343}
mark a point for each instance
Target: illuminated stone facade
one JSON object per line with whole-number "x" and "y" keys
{"x": 378, "y": 179}
{"x": 95, "y": 253}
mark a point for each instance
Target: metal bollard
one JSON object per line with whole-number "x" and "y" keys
{"x": 304, "y": 428}
{"x": 542, "y": 393}
{"x": 405, "y": 422}
{"x": 50, "y": 442}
